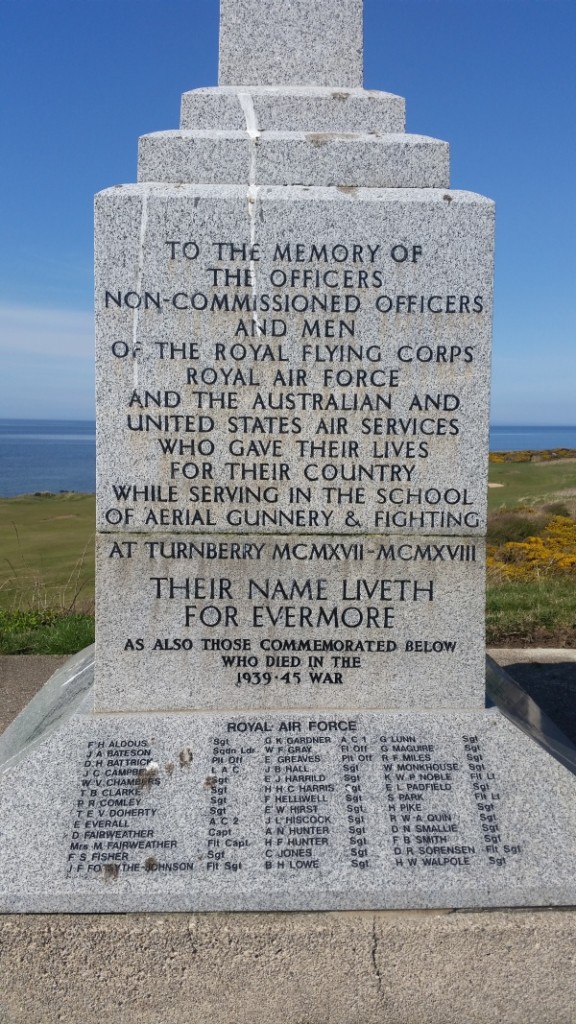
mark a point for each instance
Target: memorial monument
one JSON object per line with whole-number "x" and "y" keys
{"x": 293, "y": 314}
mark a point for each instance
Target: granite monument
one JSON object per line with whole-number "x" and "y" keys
{"x": 293, "y": 317}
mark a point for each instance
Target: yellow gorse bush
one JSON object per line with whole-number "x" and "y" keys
{"x": 531, "y": 455}
{"x": 552, "y": 553}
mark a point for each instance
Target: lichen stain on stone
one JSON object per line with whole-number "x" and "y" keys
{"x": 185, "y": 757}
{"x": 323, "y": 138}
{"x": 350, "y": 190}
{"x": 318, "y": 140}
{"x": 147, "y": 775}
{"x": 169, "y": 768}
{"x": 340, "y": 95}
{"x": 111, "y": 872}
{"x": 150, "y": 864}
{"x": 210, "y": 781}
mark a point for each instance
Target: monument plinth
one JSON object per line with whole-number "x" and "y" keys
{"x": 293, "y": 316}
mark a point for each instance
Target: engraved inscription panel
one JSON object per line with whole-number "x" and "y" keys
{"x": 305, "y": 360}
{"x": 284, "y": 801}
{"x": 209, "y": 621}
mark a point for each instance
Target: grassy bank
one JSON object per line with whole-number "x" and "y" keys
{"x": 47, "y": 552}
{"x": 532, "y": 483}
{"x": 538, "y": 613}
{"x": 45, "y": 632}
{"x": 46, "y": 573}
{"x": 47, "y": 562}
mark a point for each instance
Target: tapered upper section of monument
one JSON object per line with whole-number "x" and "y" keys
{"x": 291, "y": 42}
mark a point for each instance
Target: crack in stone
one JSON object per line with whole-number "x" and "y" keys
{"x": 253, "y": 132}
{"x": 373, "y": 956}
{"x": 136, "y": 346}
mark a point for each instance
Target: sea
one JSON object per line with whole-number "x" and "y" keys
{"x": 47, "y": 455}
{"x": 60, "y": 455}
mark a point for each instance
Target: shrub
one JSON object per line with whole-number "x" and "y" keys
{"x": 551, "y": 553}
{"x": 515, "y": 525}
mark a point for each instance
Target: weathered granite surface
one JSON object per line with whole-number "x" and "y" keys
{"x": 276, "y": 43}
{"x": 289, "y": 621}
{"x": 293, "y": 336}
{"x": 336, "y": 363}
{"x": 352, "y": 160}
{"x": 292, "y": 109}
{"x": 286, "y": 811}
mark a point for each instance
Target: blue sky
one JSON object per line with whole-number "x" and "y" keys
{"x": 80, "y": 80}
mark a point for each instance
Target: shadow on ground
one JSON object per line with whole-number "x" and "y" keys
{"x": 553, "y": 688}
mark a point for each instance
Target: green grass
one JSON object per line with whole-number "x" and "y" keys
{"x": 36, "y": 632}
{"x": 47, "y": 552}
{"x": 532, "y": 483}
{"x": 46, "y": 573}
{"x": 539, "y": 613}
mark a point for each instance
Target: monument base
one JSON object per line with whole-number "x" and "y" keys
{"x": 299, "y": 811}
{"x": 381, "y": 967}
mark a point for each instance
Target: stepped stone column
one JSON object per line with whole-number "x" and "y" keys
{"x": 293, "y": 313}
{"x": 294, "y": 317}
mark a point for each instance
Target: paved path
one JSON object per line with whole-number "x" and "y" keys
{"x": 21, "y": 676}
